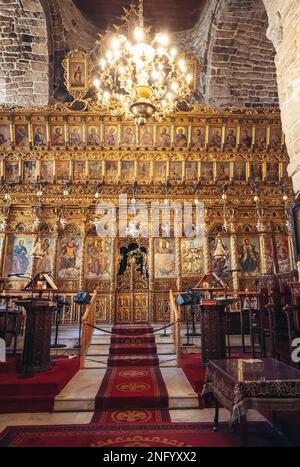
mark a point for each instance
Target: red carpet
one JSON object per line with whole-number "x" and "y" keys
{"x": 35, "y": 394}
{"x": 133, "y": 382}
{"x": 174, "y": 435}
{"x": 132, "y": 388}
{"x": 131, "y": 416}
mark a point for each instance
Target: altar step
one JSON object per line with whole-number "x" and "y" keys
{"x": 80, "y": 393}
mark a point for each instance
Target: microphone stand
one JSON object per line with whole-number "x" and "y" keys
{"x": 58, "y": 310}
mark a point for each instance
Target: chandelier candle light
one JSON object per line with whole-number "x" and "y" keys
{"x": 140, "y": 76}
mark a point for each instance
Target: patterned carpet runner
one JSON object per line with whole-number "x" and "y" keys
{"x": 132, "y": 390}
{"x": 167, "y": 435}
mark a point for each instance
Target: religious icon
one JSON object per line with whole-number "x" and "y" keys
{"x": 146, "y": 136}
{"x": 19, "y": 259}
{"x": 191, "y": 170}
{"x": 45, "y": 260}
{"x": 198, "y": 137}
{"x": 272, "y": 172}
{"x": 111, "y": 169}
{"x": 99, "y": 256}
{"x": 75, "y": 135}
{"x": 215, "y": 137}
{"x": 47, "y": 171}
{"x": 21, "y": 133}
{"x": 30, "y": 174}
{"x": 11, "y": 171}
{"x": 128, "y": 136}
{"x": 95, "y": 169}
{"x": 192, "y": 256}
{"x": 246, "y": 137}
{"x": 143, "y": 169}
{"x": 39, "y": 135}
{"x": 282, "y": 250}
{"x": 175, "y": 170}
{"x": 282, "y": 245}
{"x": 163, "y": 139}
{"x": 58, "y": 135}
{"x": 5, "y": 139}
{"x": 69, "y": 258}
{"x": 219, "y": 265}
{"x": 111, "y": 135}
{"x": 260, "y": 138}
{"x": 249, "y": 255}
{"x": 275, "y": 138}
{"x": 239, "y": 171}
{"x": 93, "y": 138}
{"x": 77, "y": 74}
{"x": 181, "y": 139}
{"x": 79, "y": 170}
{"x": 164, "y": 258}
{"x": 230, "y": 137}
{"x": 78, "y": 67}
{"x": 223, "y": 170}
{"x": 127, "y": 171}
{"x": 160, "y": 171}
{"x": 256, "y": 171}
{"x": 62, "y": 169}
{"x": 207, "y": 170}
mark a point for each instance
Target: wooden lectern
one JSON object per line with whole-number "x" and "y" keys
{"x": 36, "y": 352}
{"x": 39, "y": 313}
{"x": 213, "y": 317}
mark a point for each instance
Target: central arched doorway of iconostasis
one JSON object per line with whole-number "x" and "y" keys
{"x": 132, "y": 287}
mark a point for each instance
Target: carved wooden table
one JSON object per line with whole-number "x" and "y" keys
{"x": 240, "y": 385}
{"x": 36, "y": 352}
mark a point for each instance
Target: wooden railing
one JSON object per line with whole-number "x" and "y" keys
{"x": 175, "y": 318}
{"x": 88, "y": 320}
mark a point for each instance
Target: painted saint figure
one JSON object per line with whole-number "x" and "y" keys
{"x": 249, "y": 257}
{"x": 164, "y": 140}
{"x": 38, "y": 138}
{"x": 181, "y": 139}
{"x": 20, "y": 261}
{"x": 68, "y": 255}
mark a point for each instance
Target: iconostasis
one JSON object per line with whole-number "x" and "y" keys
{"x": 190, "y": 155}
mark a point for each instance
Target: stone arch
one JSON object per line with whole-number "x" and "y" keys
{"x": 24, "y": 69}
{"x": 230, "y": 40}
{"x": 240, "y": 67}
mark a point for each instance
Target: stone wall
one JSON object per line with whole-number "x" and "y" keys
{"x": 284, "y": 31}
{"x": 23, "y": 53}
{"x": 230, "y": 40}
{"x": 68, "y": 30}
{"x": 35, "y": 35}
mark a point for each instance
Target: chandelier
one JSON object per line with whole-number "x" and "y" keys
{"x": 140, "y": 75}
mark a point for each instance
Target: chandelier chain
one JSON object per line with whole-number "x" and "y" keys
{"x": 141, "y": 13}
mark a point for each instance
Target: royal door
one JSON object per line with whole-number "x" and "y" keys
{"x": 132, "y": 290}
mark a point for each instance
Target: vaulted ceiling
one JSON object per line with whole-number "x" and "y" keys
{"x": 171, "y": 15}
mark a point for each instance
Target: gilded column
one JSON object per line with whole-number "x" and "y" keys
{"x": 206, "y": 256}
{"x": 178, "y": 264}
{"x": 234, "y": 258}
{"x": 151, "y": 280}
{"x": 262, "y": 242}
{"x": 82, "y": 266}
{"x": 113, "y": 276}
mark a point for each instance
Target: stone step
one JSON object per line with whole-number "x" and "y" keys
{"x": 79, "y": 394}
{"x": 100, "y": 361}
{"x": 104, "y": 349}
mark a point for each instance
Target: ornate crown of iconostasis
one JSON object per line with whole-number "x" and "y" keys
{"x": 58, "y": 163}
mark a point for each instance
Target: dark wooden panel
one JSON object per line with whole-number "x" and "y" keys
{"x": 173, "y": 15}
